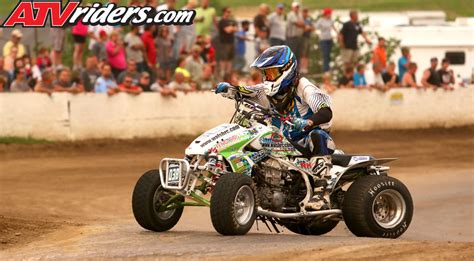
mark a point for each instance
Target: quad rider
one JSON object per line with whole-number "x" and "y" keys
{"x": 308, "y": 107}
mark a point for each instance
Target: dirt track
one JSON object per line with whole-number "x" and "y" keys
{"x": 72, "y": 200}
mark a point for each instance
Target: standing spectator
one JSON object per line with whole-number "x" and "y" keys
{"x": 90, "y": 74}
{"x": 376, "y": 79}
{"x": 208, "y": 53}
{"x": 186, "y": 34}
{"x": 325, "y": 24}
{"x": 43, "y": 60}
{"x": 57, "y": 35}
{"x": 240, "y": 47}
{"x": 150, "y": 48}
{"x": 294, "y": 30}
{"x": 131, "y": 71}
{"x": 431, "y": 77}
{"x": 227, "y": 27}
{"x": 79, "y": 33}
{"x": 446, "y": 75}
{"x": 144, "y": 82}
{"x": 20, "y": 84}
{"x": 306, "y": 45}
{"x": 128, "y": 87}
{"x": 277, "y": 26}
{"x": 390, "y": 77}
{"x": 260, "y": 21}
{"x": 94, "y": 32}
{"x": 15, "y": 42}
{"x": 404, "y": 62}
{"x": 9, "y": 63}
{"x": 135, "y": 49}
{"x": 163, "y": 88}
{"x": 409, "y": 78}
{"x": 116, "y": 54}
{"x": 46, "y": 83}
{"x": 106, "y": 82}
{"x": 348, "y": 39}
{"x": 180, "y": 83}
{"x": 347, "y": 79}
{"x": 359, "y": 77}
{"x": 205, "y": 19}
{"x": 165, "y": 55}
{"x": 4, "y": 75}
{"x": 64, "y": 83}
{"x": 380, "y": 54}
{"x": 195, "y": 64}
{"x": 99, "y": 48}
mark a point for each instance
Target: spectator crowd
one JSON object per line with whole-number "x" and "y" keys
{"x": 171, "y": 59}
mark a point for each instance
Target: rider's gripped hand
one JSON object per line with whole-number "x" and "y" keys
{"x": 222, "y": 87}
{"x": 299, "y": 124}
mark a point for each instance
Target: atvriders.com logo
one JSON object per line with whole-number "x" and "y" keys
{"x": 35, "y": 13}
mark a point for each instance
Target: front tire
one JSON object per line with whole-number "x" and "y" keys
{"x": 233, "y": 204}
{"x": 148, "y": 197}
{"x": 377, "y": 206}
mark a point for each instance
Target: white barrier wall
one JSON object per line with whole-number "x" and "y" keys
{"x": 87, "y": 116}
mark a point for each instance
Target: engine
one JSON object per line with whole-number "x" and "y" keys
{"x": 278, "y": 188}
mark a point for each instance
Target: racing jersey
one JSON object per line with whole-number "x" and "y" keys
{"x": 309, "y": 99}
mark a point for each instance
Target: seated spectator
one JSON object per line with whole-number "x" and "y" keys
{"x": 347, "y": 79}
{"x": 128, "y": 87}
{"x": 446, "y": 75}
{"x": 90, "y": 73}
{"x": 45, "y": 85}
{"x": 3, "y": 84}
{"x": 380, "y": 54}
{"x": 131, "y": 70}
{"x": 375, "y": 79}
{"x": 5, "y": 75}
{"x": 326, "y": 83}
{"x": 65, "y": 83}
{"x": 359, "y": 77}
{"x": 99, "y": 49}
{"x": 106, "y": 82}
{"x": 431, "y": 77}
{"x": 207, "y": 81}
{"x": 261, "y": 41}
{"x": 116, "y": 54}
{"x": 180, "y": 83}
{"x": 182, "y": 68}
{"x": 20, "y": 84}
{"x": 43, "y": 60}
{"x": 390, "y": 78}
{"x": 409, "y": 78}
{"x": 164, "y": 45}
{"x": 255, "y": 77}
{"x": 163, "y": 88}
{"x": 231, "y": 78}
{"x": 32, "y": 71}
{"x": 195, "y": 64}
{"x": 144, "y": 82}
{"x": 208, "y": 52}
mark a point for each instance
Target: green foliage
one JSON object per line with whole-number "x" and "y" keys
{"x": 22, "y": 140}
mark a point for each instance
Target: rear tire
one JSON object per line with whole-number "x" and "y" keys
{"x": 233, "y": 204}
{"x": 146, "y": 199}
{"x": 377, "y": 206}
{"x": 312, "y": 229}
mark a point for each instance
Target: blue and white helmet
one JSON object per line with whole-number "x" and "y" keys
{"x": 279, "y": 67}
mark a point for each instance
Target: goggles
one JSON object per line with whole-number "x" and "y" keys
{"x": 272, "y": 74}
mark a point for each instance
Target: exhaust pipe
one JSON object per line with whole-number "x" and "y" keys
{"x": 261, "y": 211}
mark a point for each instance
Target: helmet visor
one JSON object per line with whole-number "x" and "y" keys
{"x": 271, "y": 74}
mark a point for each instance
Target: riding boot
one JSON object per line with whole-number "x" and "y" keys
{"x": 321, "y": 170}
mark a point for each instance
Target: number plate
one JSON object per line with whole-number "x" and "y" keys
{"x": 174, "y": 173}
